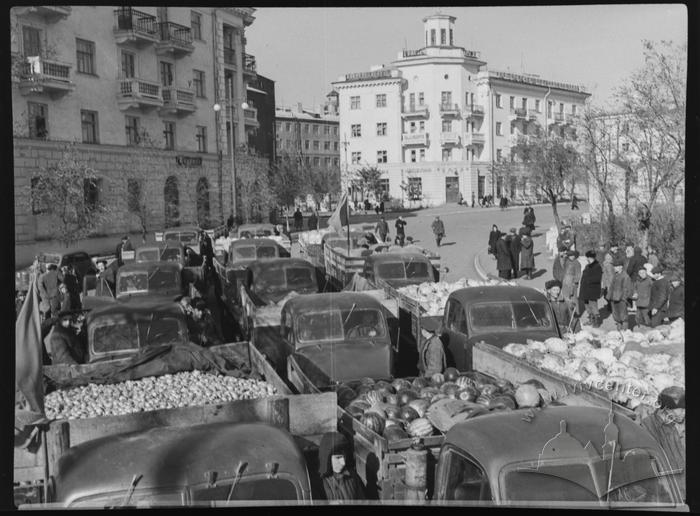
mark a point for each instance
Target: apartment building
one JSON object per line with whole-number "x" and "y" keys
{"x": 435, "y": 120}
{"x": 261, "y": 98}
{"x": 112, "y": 78}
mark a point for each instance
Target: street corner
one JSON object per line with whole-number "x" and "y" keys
{"x": 485, "y": 265}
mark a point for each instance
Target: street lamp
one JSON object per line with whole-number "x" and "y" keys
{"x": 232, "y": 139}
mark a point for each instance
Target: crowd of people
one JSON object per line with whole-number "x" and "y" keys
{"x": 514, "y": 251}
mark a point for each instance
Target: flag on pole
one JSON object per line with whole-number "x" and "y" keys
{"x": 339, "y": 218}
{"x": 29, "y": 388}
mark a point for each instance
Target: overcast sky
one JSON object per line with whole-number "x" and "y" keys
{"x": 304, "y": 49}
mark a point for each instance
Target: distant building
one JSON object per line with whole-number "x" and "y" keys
{"x": 261, "y": 98}
{"x": 110, "y": 78}
{"x": 435, "y": 121}
{"x": 311, "y": 136}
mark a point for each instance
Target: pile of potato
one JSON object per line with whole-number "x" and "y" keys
{"x": 433, "y": 296}
{"x": 185, "y": 389}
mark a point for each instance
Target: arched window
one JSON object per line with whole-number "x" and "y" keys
{"x": 172, "y": 202}
{"x": 203, "y": 202}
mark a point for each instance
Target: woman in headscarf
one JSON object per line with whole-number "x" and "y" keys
{"x": 493, "y": 238}
{"x": 340, "y": 480}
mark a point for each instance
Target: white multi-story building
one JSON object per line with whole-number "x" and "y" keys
{"x": 435, "y": 120}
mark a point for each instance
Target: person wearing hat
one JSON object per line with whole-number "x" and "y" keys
{"x": 642, "y": 296}
{"x": 431, "y": 354}
{"x": 676, "y": 298}
{"x": 48, "y": 291}
{"x": 64, "y": 345}
{"x": 382, "y": 228}
{"x": 636, "y": 262}
{"x": 527, "y": 253}
{"x": 619, "y": 291}
{"x": 503, "y": 262}
{"x": 571, "y": 279}
{"x": 658, "y": 301}
{"x": 514, "y": 246}
{"x": 339, "y": 478}
{"x": 494, "y": 235}
{"x": 559, "y": 264}
{"x": 124, "y": 245}
{"x": 438, "y": 228}
{"x": 400, "y": 226}
{"x": 559, "y": 306}
{"x": 589, "y": 292}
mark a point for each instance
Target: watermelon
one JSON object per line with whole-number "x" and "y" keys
{"x": 502, "y": 401}
{"x": 374, "y": 422}
{"x": 381, "y": 384}
{"x": 451, "y": 374}
{"x": 468, "y": 394}
{"x": 355, "y": 411}
{"x": 464, "y": 381}
{"x": 363, "y": 389}
{"x": 484, "y": 399}
{"x": 394, "y": 421}
{"x": 392, "y": 399}
{"x": 489, "y": 389}
{"x": 437, "y": 379}
{"x": 359, "y": 402}
{"x": 526, "y": 395}
{"x": 400, "y": 384}
{"x": 447, "y": 385}
{"x": 419, "y": 382}
{"x": 452, "y": 390}
{"x": 428, "y": 392}
{"x": 367, "y": 381}
{"x": 395, "y": 433}
{"x": 536, "y": 383}
{"x": 437, "y": 397}
{"x": 345, "y": 396}
{"x": 408, "y": 414}
{"x": 392, "y": 411}
{"x": 420, "y": 427}
{"x": 374, "y": 397}
{"x": 420, "y": 406}
{"x": 405, "y": 396}
{"x": 504, "y": 385}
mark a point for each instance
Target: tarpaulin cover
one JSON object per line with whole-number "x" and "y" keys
{"x": 150, "y": 361}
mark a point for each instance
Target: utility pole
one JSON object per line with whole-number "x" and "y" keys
{"x": 345, "y": 144}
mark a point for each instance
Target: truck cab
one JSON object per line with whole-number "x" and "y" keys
{"x": 555, "y": 460}
{"x": 335, "y": 337}
{"x": 198, "y": 466}
{"x": 263, "y": 231}
{"x": 80, "y": 260}
{"x": 495, "y": 314}
{"x": 121, "y": 330}
{"x": 170, "y": 251}
{"x": 186, "y": 235}
{"x": 398, "y": 269}
{"x": 149, "y": 279}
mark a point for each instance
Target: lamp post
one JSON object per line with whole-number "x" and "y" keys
{"x": 232, "y": 143}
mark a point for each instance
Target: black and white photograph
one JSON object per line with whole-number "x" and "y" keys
{"x": 425, "y": 256}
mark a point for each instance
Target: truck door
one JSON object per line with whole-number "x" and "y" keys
{"x": 454, "y": 336}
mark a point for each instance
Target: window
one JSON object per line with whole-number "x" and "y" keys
{"x": 573, "y": 109}
{"x": 39, "y": 204}
{"x": 198, "y": 81}
{"x": 412, "y": 101}
{"x": 446, "y": 98}
{"x": 327, "y": 162}
{"x": 169, "y": 135}
{"x": 537, "y": 105}
{"x": 326, "y": 145}
{"x": 128, "y": 64}
{"x": 549, "y": 109}
{"x": 413, "y": 155}
{"x": 432, "y": 36}
{"x": 279, "y": 126}
{"x": 316, "y": 145}
{"x": 356, "y": 130}
{"x": 85, "y": 56}
{"x": 523, "y": 103}
{"x": 443, "y": 37}
{"x": 38, "y": 120}
{"x": 381, "y": 128}
{"x": 451, "y": 38}
{"x": 415, "y": 188}
{"x": 446, "y": 154}
{"x": 462, "y": 479}
{"x": 512, "y": 129}
{"x": 326, "y": 130}
{"x": 421, "y": 99}
{"x": 561, "y": 107}
{"x": 381, "y": 156}
{"x": 421, "y": 126}
{"x": 335, "y": 146}
{"x": 454, "y": 313}
{"x": 201, "y": 136}
{"x": 196, "y": 25}
{"x": 381, "y": 100}
{"x": 421, "y": 154}
{"x": 335, "y": 131}
{"x": 499, "y": 155}
{"x": 446, "y": 126}
{"x": 132, "y": 130}
{"x": 308, "y": 160}
{"x": 499, "y": 128}
{"x": 88, "y": 122}
{"x": 356, "y": 158}
{"x": 307, "y": 144}
{"x": 499, "y": 104}
{"x": 133, "y": 190}
{"x": 317, "y": 161}
{"x": 306, "y": 128}
{"x": 336, "y": 161}
{"x": 31, "y": 41}
{"x": 91, "y": 192}
{"x": 166, "y": 73}
{"x": 412, "y": 127}
{"x": 355, "y": 102}
{"x": 288, "y": 126}
{"x": 512, "y": 102}
{"x": 315, "y": 129}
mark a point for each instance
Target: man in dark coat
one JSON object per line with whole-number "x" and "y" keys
{"x": 431, "y": 354}
{"x": 589, "y": 292}
{"x": 503, "y": 259}
{"x": 620, "y": 290}
{"x": 514, "y": 248}
{"x": 559, "y": 306}
{"x": 298, "y": 219}
{"x": 382, "y": 229}
{"x": 340, "y": 480}
{"x": 63, "y": 343}
{"x": 559, "y": 264}
{"x": 313, "y": 221}
{"x": 676, "y": 298}
{"x": 527, "y": 253}
{"x": 635, "y": 263}
{"x": 206, "y": 249}
{"x": 48, "y": 291}
{"x": 494, "y": 235}
{"x": 70, "y": 280}
{"x": 438, "y": 230}
{"x": 400, "y": 226}
{"x": 124, "y": 245}
{"x": 642, "y": 295}
{"x": 658, "y": 302}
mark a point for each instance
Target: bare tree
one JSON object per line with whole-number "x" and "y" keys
{"x": 288, "y": 180}
{"x": 253, "y": 186}
{"x": 324, "y": 181}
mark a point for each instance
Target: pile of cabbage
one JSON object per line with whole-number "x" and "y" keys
{"x": 598, "y": 359}
{"x": 432, "y": 297}
{"x": 312, "y": 237}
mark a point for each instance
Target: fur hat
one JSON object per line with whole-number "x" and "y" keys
{"x": 590, "y": 254}
{"x": 552, "y": 283}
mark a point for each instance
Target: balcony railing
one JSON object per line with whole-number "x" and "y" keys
{"x": 230, "y": 56}
{"x": 449, "y": 109}
{"x": 518, "y": 113}
{"x": 417, "y": 111}
{"x": 532, "y": 114}
{"x": 134, "y": 92}
{"x": 558, "y": 118}
{"x": 178, "y": 99}
{"x": 133, "y": 25}
{"x": 414, "y": 139}
{"x": 569, "y": 118}
{"x": 38, "y": 74}
{"x": 249, "y": 64}
{"x": 473, "y": 110}
{"x": 176, "y": 33}
{"x": 449, "y": 138}
{"x": 414, "y": 53}
{"x": 475, "y": 139}
{"x": 50, "y": 13}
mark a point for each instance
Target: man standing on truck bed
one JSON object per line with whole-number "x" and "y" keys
{"x": 124, "y": 245}
{"x": 620, "y": 290}
{"x": 431, "y": 354}
{"x": 48, "y": 291}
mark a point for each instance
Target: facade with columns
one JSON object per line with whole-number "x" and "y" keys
{"x": 435, "y": 120}
{"x": 110, "y": 78}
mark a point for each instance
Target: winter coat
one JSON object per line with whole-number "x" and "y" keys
{"x": 590, "y": 282}
{"x": 338, "y": 486}
{"x": 400, "y": 227}
{"x": 608, "y": 272}
{"x": 514, "y": 246}
{"x": 431, "y": 356}
{"x": 382, "y": 228}
{"x": 71, "y": 282}
{"x": 48, "y": 285}
{"x": 558, "y": 268}
{"x": 313, "y": 222}
{"x": 529, "y": 219}
{"x": 561, "y": 312}
{"x": 527, "y": 255}
{"x": 643, "y": 290}
{"x": 676, "y": 301}
{"x": 659, "y": 294}
{"x": 65, "y": 346}
{"x": 493, "y": 238}
{"x": 438, "y": 227}
{"x": 635, "y": 263}
{"x": 503, "y": 262}
{"x": 621, "y": 287}
{"x": 572, "y": 276}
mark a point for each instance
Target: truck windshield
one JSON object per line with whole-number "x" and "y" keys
{"x": 142, "y": 281}
{"x": 171, "y": 254}
{"x": 139, "y": 498}
{"x": 130, "y": 336}
{"x": 326, "y": 326}
{"x": 509, "y": 316}
{"x": 251, "y": 252}
{"x": 250, "y": 233}
{"x": 147, "y": 255}
{"x": 184, "y": 236}
{"x": 255, "y": 489}
{"x": 403, "y": 270}
{"x": 551, "y": 487}
{"x": 285, "y": 279}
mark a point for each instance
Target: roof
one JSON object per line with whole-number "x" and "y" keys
{"x": 137, "y": 307}
{"x": 397, "y": 257}
{"x": 176, "y": 457}
{"x": 489, "y": 439}
{"x": 288, "y": 113}
{"x": 331, "y": 300}
{"x": 535, "y": 81}
{"x": 488, "y": 293}
{"x": 149, "y": 266}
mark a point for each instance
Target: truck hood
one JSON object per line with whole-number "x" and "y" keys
{"x": 347, "y": 361}
{"x": 501, "y": 339}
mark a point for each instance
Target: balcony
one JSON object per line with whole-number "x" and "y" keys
{"x": 449, "y": 110}
{"x": 475, "y": 140}
{"x": 249, "y": 65}
{"x": 415, "y": 112}
{"x": 250, "y": 117}
{"x": 518, "y": 114}
{"x": 175, "y": 40}
{"x": 558, "y": 118}
{"x": 138, "y": 93}
{"x": 177, "y": 101}
{"x": 569, "y": 118}
{"x": 50, "y": 13}
{"x": 449, "y": 138}
{"x": 38, "y": 75}
{"x": 474, "y": 111}
{"x": 532, "y": 114}
{"x": 132, "y": 26}
{"x": 414, "y": 139}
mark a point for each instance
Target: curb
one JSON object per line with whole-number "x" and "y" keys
{"x": 479, "y": 269}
